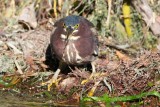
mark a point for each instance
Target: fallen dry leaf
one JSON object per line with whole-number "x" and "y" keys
{"x": 68, "y": 83}
{"x": 28, "y": 16}
{"x": 122, "y": 56}
{"x": 92, "y": 91}
{"x": 30, "y": 61}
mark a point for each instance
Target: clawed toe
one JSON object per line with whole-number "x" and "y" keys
{"x": 53, "y": 80}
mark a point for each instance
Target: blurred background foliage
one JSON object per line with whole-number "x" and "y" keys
{"x": 117, "y": 20}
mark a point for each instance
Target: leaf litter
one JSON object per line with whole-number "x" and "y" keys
{"x": 26, "y": 62}
{"x": 125, "y": 75}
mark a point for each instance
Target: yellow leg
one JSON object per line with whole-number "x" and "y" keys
{"x": 92, "y": 74}
{"x": 54, "y": 79}
{"x": 91, "y": 92}
{"x": 93, "y": 69}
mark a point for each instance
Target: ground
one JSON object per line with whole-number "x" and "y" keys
{"x": 25, "y": 55}
{"x": 127, "y": 67}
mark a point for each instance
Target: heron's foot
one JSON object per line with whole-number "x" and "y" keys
{"x": 94, "y": 75}
{"x": 53, "y": 80}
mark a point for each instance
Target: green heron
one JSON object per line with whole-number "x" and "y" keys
{"x": 74, "y": 42}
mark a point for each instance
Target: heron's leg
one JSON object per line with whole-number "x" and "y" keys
{"x": 54, "y": 79}
{"x": 92, "y": 74}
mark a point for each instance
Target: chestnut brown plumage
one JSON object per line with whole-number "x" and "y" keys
{"x": 74, "y": 42}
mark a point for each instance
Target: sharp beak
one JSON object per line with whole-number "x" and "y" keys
{"x": 69, "y": 30}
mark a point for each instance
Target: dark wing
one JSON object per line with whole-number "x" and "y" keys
{"x": 96, "y": 42}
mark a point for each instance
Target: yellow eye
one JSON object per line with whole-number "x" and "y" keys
{"x": 76, "y": 26}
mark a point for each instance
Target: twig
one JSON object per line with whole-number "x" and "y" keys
{"x": 18, "y": 67}
{"x": 77, "y": 6}
{"x": 16, "y": 51}
{"x": 109, "y": 11}
{"x": 121, "y": 49}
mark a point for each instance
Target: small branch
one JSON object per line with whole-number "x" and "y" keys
{"x": 109, "y": 12}
{"x": 18, "y": 67}
{"x": 121, "y": 49}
